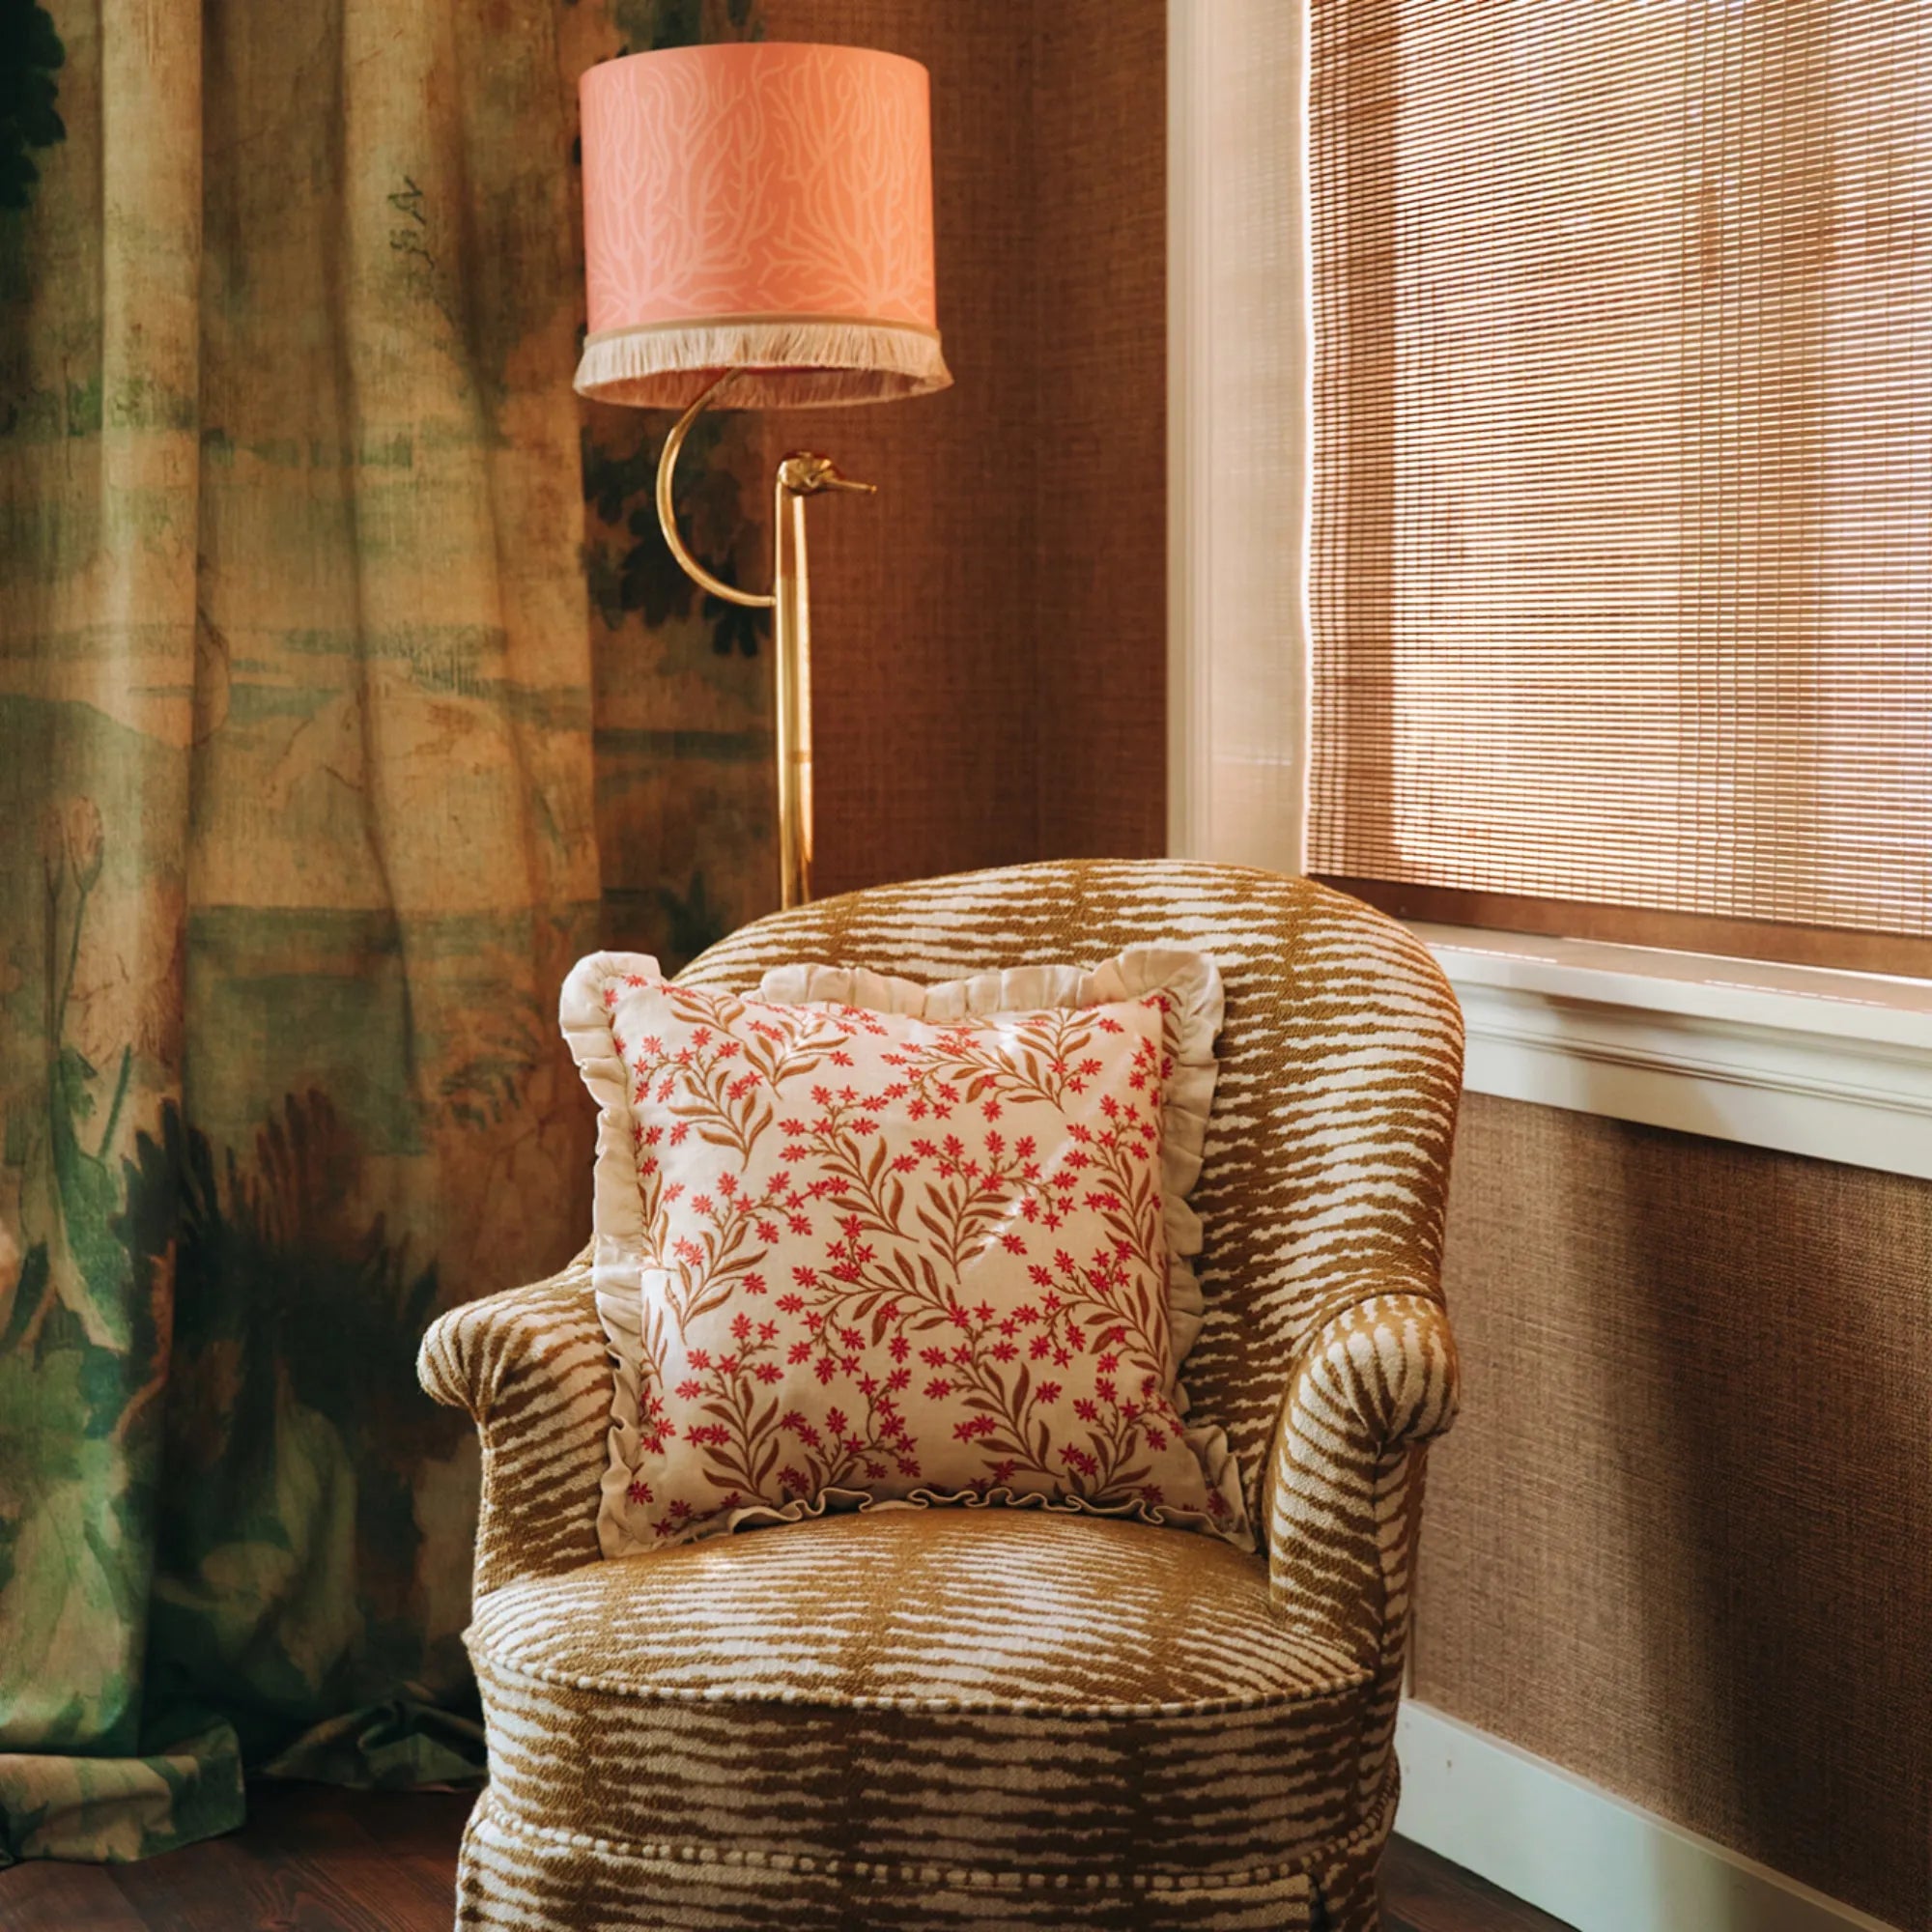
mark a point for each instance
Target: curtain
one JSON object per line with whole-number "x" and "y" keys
{"x": 346, "y": 695}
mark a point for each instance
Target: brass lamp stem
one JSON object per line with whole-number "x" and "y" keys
{"x": 800, "y": 475}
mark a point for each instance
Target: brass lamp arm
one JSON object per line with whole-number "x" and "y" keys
{"x": 752, "y": 600}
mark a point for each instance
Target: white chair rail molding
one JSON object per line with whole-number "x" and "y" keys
{"x": 1837, "y": 1066}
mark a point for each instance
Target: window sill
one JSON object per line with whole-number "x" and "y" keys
{"x": 1837, "y": 1066}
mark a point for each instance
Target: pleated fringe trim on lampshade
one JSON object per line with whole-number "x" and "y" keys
{"x": 787, "y": 362}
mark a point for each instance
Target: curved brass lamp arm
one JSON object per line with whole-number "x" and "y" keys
{"x": 752, "y": 600}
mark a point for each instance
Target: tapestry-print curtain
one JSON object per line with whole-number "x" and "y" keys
{"x": 346, "y": 695}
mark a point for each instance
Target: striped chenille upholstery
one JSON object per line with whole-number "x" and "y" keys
{"x": 999, "y": 1718}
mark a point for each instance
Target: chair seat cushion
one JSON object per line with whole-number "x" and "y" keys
{"x": 992, "y": 1697}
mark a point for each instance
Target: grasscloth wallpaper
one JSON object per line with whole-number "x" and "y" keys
{"x": 989, "y": 633}
{"x": 1680, "y": 1538}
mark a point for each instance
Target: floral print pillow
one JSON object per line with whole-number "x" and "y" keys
{"x": 859, "y": 1241}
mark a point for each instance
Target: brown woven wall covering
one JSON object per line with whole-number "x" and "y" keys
{"x": 1017, "y": 545}
{"x": 1681, "y": 1539}
{"x": 1099, "y": 610}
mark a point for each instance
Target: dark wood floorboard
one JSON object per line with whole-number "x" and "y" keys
{"x": 313, "y": 1858}
{"x": 45, "y": 1897}
{"x": 1422, "y": 1892}
{"x": 310, "y": 1858}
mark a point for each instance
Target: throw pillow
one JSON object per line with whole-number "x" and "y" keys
{"x": 861, "y": 1241}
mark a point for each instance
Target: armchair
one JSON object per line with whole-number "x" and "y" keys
{"x": 1010, "y": 1719}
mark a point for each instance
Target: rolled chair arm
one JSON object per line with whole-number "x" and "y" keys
{"x": 1342, "y": 1497}
{"x": 530, "y": 1367}
{"x": 1377, "y": 1380}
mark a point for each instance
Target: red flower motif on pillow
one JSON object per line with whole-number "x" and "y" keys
{"x": 879, "y": 1257}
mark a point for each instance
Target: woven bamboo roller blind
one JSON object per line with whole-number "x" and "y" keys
{"x": 1622, "y": 549}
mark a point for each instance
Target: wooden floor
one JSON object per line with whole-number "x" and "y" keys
{"x": 313, "y": 1858}
{"x": 1424, "y": 1894}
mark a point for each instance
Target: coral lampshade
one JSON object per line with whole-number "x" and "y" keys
{"x": 763, "y": 206}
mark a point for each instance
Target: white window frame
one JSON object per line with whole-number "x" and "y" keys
{"x": 1832, "y": 1064}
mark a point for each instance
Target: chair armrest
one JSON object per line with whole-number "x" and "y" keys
{"x": 1341, "y": 1501}
{"x": 530, "y": 1367}
{"x": 1343, "y": 1494}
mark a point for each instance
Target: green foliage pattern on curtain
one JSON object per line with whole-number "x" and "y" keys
{"x": 345, "y": 697}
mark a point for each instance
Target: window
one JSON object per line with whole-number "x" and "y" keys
{"x": 1622, "y": 536}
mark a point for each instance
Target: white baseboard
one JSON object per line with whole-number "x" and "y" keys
{"x": 1574, "y": 1849}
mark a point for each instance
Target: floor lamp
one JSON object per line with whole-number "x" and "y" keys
{"x": 758, "y": 225}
